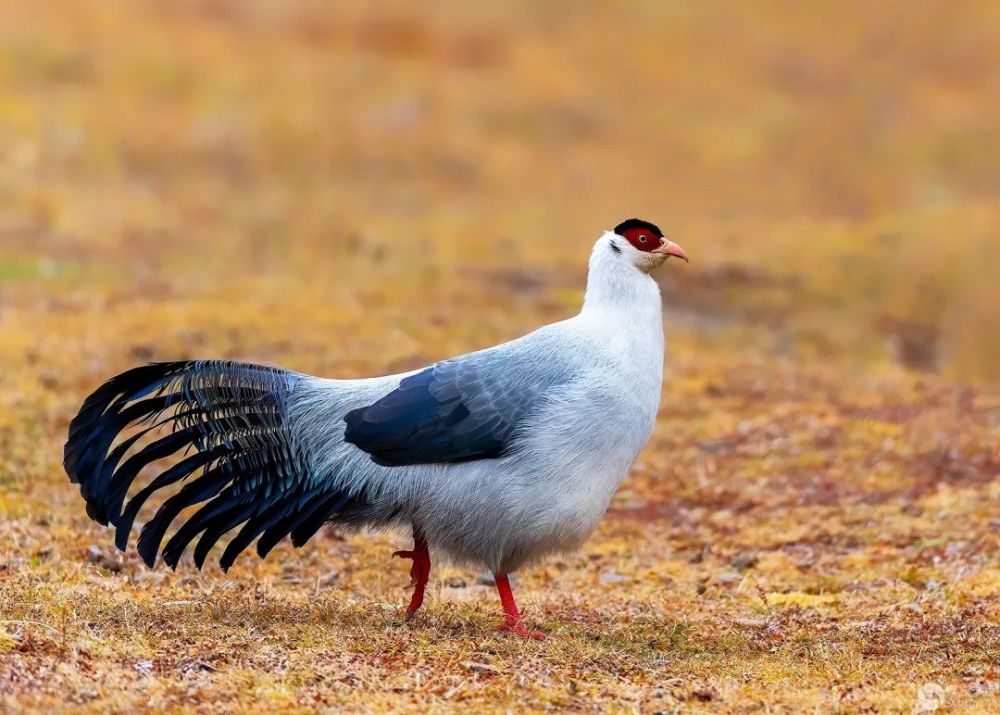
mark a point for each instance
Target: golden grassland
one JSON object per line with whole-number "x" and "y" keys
{"x": 815, "y": 524}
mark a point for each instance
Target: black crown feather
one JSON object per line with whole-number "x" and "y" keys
{"x": 637, "y": 223}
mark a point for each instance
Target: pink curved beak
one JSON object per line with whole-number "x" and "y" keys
{"x": 669, "y": 248}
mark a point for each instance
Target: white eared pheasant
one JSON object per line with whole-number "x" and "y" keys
{"x": 495, "y": 458}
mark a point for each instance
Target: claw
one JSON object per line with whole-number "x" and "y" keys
{"x": 420, "y": 572}
{"x": 518, "y": 628}
{"x": 512, "y": 622}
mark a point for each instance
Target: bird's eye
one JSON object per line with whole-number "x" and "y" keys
{"x": 642, "y": 239}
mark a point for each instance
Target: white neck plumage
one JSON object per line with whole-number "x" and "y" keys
{"x": 615, "y": 283}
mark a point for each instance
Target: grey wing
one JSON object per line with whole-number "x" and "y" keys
{"x": 457, "y": 410}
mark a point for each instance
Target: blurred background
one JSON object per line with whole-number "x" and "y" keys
{"x": 830, "y": 168}
{"x": 349, "y": 189}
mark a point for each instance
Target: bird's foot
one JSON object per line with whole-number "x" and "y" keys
{"x": 420, "y": 574}
{"x": 517, "y": 627}
{"x": 512, "y": 616}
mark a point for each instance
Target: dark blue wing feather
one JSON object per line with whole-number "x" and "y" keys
{"x": 455, "y": 411}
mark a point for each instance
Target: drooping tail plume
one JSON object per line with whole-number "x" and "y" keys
{"x": 230, "y": 424}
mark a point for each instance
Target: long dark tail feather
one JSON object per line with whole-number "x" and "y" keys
{"x": 229, "y": 423}
{"x": 236, "y": 514}
{"x": 308, "y": 525}
{"x": 204, "y": 487}
{"x": 179, "y": 471}
{"x": 263, "y": 519}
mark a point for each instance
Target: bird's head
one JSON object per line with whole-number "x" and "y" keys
{"x": 643, "y": 244}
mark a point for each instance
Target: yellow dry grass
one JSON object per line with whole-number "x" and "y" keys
{"x": 349, "y": 190}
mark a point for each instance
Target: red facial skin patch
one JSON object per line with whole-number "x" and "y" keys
{"x": 642, "y": 238}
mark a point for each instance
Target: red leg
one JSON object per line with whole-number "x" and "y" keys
{"x": 512, "y": 621}
{"x": 420, "y": 572}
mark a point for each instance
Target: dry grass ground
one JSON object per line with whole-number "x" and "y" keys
{"x": 815, "y": 525}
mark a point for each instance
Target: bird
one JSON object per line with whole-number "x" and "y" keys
{"x": 493, "y": 459}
